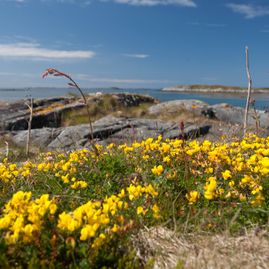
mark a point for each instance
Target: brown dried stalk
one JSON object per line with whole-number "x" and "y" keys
{"x": 57, "y": 73}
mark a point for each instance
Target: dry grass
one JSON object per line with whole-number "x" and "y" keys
{"x": 204, "y": 251}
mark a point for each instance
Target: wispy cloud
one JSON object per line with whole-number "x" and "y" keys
{"x": 139, "y": 56}
{"x": 15, "y": 1}
{"x": 248, "y": 10}
{"x": 35, "y": 51}
{"x": 88, "y": 78}
{"x": 78, "y": 2}
{"x": 206, "y": 24}
{"x": 19, "y": 74}
{"x": 185, "y": 3}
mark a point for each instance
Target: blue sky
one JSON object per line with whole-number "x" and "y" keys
{"x": 133, "y": 43}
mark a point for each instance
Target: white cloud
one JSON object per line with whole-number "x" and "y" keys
{"x": 35, "y": 51}
{"x": 86, "y": 77}
{"x": 79, "y": 2}
{"x": 15, "y": 1}
{"x": 248, "y": 10}
{"x": 139, "y": 56}
{"x": 186, "y": 3}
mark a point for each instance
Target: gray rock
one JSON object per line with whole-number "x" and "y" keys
{"x": 39, "y": 137}
{"x": 108, "y": 129}
{"x": 222, "y": 112}
{"x": 176, "y": 106}
{"x": 235, "y": 115}
{"x": 190, "y": 132}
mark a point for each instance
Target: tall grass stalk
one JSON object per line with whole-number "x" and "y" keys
{"x": 72, "y": 83}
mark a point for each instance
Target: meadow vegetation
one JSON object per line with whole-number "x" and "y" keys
{"x": 83, "y": 208}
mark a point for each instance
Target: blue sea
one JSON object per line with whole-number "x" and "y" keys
{"x": 261, "y": 100}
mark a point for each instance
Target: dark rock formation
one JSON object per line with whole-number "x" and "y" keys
{"x": 129, "y": 100}
{"x": 48, "y": 112}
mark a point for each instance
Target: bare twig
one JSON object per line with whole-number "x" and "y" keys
{"x": 249, "y": 92}
{"x": 7, "y": 149}
{"x": 30, "y": 107}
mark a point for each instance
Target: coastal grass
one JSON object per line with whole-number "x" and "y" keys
{"x": 164, "y": 203}
{"x": 102, "y": 106}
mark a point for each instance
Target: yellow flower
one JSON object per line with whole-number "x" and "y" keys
{"x": 87, "y": 231}
{"x": 140, "y": 210}
{"x": 115, "y": 228}
{"x": 166, "y": 159}
{"x": 226, "y": 174}
{"x": 110, "y": 146}
{"x": 192, "y": 197}
{"x": 53, "y": 208}
{"x": 79, "y": 185}
{"x": 210, "y": 188}
{"x": 157, "y": 170}
{"x": 209, "y": 170}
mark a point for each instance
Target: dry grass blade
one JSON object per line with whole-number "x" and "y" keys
{"x": 207, "y": 251}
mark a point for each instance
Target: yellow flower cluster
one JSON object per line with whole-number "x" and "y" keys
{"x": 24, "y": 217}
{"x": 64, "y": 167}
{"x": 96, "y": 219}
{"x": 235, "y": 170}
{"x": 8, "y": 172}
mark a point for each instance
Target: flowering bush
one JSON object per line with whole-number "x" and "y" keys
{"x": 80, "y": 208}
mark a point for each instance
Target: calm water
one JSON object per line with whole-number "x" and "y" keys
{"x": 262, "y": 100}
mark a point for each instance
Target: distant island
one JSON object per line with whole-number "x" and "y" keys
{"x": 201, "y": 88}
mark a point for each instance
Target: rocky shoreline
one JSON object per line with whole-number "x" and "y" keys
{"x": 186, "y": 119}
{"x": 213, "y": 89}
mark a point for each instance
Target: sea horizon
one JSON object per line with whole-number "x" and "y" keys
{"x": 16, "y": 94}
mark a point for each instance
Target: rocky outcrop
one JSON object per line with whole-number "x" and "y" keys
{"x": 129, "y": 100}
{"x": 222, "y": 112}
{"x": 109, "y": 129}
{"x": 212, "y": 89}
{"x": 213, "y": 122}
{"x": 177, "y": 106}
{"x": 235, "y": 115}
{"x": 48, "y": 112}
{"x": 39, "y": 137}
